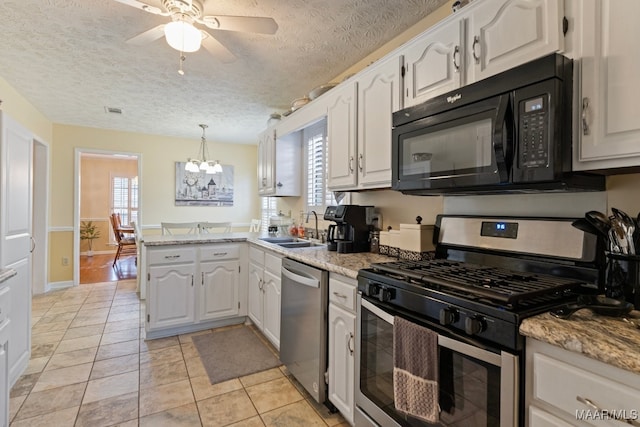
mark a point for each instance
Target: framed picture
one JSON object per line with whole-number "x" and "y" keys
{"x": 202, "y": 189}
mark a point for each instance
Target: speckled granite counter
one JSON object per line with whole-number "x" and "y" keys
{"x": 317, "y": 256}
{"x": 6, "y": 273}
{"x": 608, "y": 339}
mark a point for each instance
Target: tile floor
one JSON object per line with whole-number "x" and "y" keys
{"x": 91, "y": 366}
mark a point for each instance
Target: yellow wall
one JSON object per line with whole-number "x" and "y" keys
{"x": 58, "y": 244}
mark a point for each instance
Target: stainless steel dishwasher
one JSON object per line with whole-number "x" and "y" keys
{"x": 303, "y": 325}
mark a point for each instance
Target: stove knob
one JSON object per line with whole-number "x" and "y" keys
{"x": 371, "y": 290}
{"x": 448, "y": 316}
{"x": 474, "y": 325}
{"x": 386, "y": 295}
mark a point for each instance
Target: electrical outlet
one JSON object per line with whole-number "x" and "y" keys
{"x": 65, "y": 261}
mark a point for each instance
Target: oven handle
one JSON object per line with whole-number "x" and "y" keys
{"x": 474, "y": 351}
{"x": 500, "y": 146}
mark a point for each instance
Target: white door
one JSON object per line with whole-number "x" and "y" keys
{"x": 379, "y": 92}
{"x": 434, "y": 64}
{"x": 341, "y": 360}
{"x": 171, "y": 296}
{"x": 4, "y": 375}
{"x": 219, "y": 289}
{"x": 341, "y": 133}
{"x": 272, "y": 308}
{"x": 255, "y": 294}
{"x": 506, "y": 33}
{"x": 16, "y": 144}
{"x": 608, "y": 125}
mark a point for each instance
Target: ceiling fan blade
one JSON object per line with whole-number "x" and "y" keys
{"x": 143, "y": 6}
{"x": 246, "y": 24}
{"x": 216, "y": 48}
{"x": 148, "y": 36}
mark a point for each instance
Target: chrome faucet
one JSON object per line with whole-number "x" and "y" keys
{"x": 316, "y": 229}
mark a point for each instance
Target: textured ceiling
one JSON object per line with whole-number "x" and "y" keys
{"x": 70, "y": 60}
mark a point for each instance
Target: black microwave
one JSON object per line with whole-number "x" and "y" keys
{"x": 511, "y": 132}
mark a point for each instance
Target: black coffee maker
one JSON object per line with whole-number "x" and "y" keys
{"x": 350, "y": 233}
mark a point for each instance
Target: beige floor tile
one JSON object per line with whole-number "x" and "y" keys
{"x": 251, "y": 422}
{"x": 126, "y": 308}
{"x": 273, "y": 394}
{"x": 331, "y": 419}
{"x": 71, "y": 358}
{"x": 147, "y": 345}
{"x": 52, "y": 337}
{"x": 43, "y": 350}
{"x": 184, "y": 338}
{"x": 296, "y": 414}
{"x": 83, "y": 331}
{"x": 120, "y": 336}
{"x": 62, "y": 377}
{"x": 115, "y": 366}
{"x": 152, "y": 375}
{"x": 15, "y": 403}
{"x": 51, "y": 400}
{"x": 66, "y": 346}
{"x": 25, "y": 384}
{"x": 203, "y": 389}
{"x": 189, "y": 350}
{"x": 127, "y": 315}
{"x": 162, "y": 355}
{"x": 87, "y": 313}
{"x": 182, "y": 416}
{"x": 195, "y": 367}
{"x": 132, "y": 423}
{"x": 61, "y": 308}
{"x": 121, "y": 325}
{"x": 108, "y": 412}
{"x": 36, "y": 364}
{"x": 62, "y": 418}
{"x": 124, "y": 299}
{"x": 118, "y": 349}
{"x": 55, "y": 318}
{"x": 106, "y": 303}
{"x": 226, "y": 409}
{"x": 261, "y": 377}
{"x": 88, "y": 320}
{"x": 115, "y": 385}
{"x": 161, "y": 398}
{"x": 46, "y": 326}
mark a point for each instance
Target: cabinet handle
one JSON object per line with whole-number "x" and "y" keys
{"x": 171, "y": 256}
{"x": 279, "y": 185}
{"x": 202, "y": 278}
{"x": 260, "y": 284}
{"x": 351, "y": 164}
{"x": 596, "y": 408}
{"x": 219, "y": 253}
{"x": 476, "y": 40}
{"x": 192, "y": 280}
{"x": 349, "y": 346}
{"x": 585, "y": 116}
{"x": 33, "y": 244}
{"x": 339, "y": 295}
{"x": 456, "y": 52}
{"x": 360, "y": 162}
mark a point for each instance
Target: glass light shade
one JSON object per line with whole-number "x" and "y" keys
{"x": 183, "y": 36}
{"x": 204, "y": 166}
{"x": 210, "y": 170}
{"x": 191, "y": 167}
{"x": 217, "y": 168}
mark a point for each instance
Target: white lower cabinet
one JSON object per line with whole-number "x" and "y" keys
{"x": 342, "y": 326}
{"x": 191, "y": 287}
{"x": 564, "y": 388}
{"x": 264, "y": 292}
{"x": 4, "y": 373}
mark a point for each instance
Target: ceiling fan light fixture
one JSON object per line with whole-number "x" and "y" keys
{"x": 182, "y": 35}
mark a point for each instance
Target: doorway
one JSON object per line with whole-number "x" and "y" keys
{"x": 106, "y": 182}
{"x": 39, "y": 220}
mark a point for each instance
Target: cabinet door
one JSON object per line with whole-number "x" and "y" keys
{"x": 341, "y": 132}
{"x": 266, "y": 159}
{"x": 609, "y": 126}
{"x": 4, "y": 375}
{"x": 219, "y": 289}
{"x": 506, "y": 33}
{"x": 20, "y": 317}
{"x": 341, "y": 360}
{"x": 434, "y": 64}
{"x": 272, "y": 308}
{"x": 171, "y": 296}
{"x": 379, "y": 94}
{"x": 255, "y": 294}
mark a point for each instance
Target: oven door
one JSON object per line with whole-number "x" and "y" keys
{"x": 478, "y": 387}
{"x": 465, "y": 147}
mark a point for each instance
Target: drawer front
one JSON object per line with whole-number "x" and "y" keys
{"x": 256, "y": 255}
{"x": 170, "y": 256}
{"x": 4, "y": 304}
{"x": 540, "y": 418}
{"x": 579, "y": 384}
{"x": 218, "y": 252}
{"x": 342, "y": 294}
{"x": 272, "y": 263}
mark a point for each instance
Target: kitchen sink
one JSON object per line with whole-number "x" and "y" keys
{"x": 291, "y": 242}
{"x": 278, "y": 240}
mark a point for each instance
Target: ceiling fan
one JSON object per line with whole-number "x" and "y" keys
{"x": 182, "y": 35}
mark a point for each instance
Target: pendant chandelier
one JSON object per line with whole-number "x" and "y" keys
{"x": 201, "y": 164}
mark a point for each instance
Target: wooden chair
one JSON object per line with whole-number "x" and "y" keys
{"x": 171, "y": 228}
{"x": 255, "y": 226}
{"x": 126, "y": 243}
{"x": 213, "y": 227}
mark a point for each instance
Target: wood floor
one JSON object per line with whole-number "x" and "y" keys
{"x": 99, "y": 268}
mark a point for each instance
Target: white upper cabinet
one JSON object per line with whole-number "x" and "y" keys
{"x": 266, "y": 160}
{"x": 505, "y": 33}
{"x": 342, "y": 133}
{"x": 607, "y": 118}
{"x": 434, "y": 63}
{"x": 279, "y": 164}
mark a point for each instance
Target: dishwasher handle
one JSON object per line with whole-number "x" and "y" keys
{"x": 301, "y": 279}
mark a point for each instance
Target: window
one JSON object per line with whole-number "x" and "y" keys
{"x": 315, "y": 141}
{"x": 124, "y": 198}
{"x": 268, "y": 210}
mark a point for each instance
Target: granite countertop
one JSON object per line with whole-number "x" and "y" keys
{"x": 6, "y": 273}
{"x": 611, "y": 340}
{"x": 317, "y": 256}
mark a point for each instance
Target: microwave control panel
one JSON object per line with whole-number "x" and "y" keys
{"x": 534, "y": 132}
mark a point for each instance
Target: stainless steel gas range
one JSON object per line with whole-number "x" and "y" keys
{"x": 488, "y": 274}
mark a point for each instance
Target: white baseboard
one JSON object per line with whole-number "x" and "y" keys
{"x": 100, "y": 253}
{"x": 58, "y": 285}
